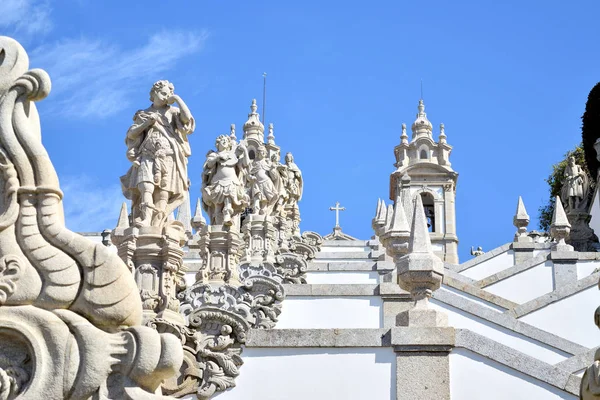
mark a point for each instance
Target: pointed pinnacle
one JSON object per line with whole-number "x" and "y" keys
{"x": 388, "y": 217}
{"x": 559, "y": 217}
{"x": 399, "y": 221}
{"x": 123, "y": 221}
{"x": 197, "y": 212}
{"x": 198, "y": 220}
{"x": 521, "y": 211}
{"x": 419, "y": 241}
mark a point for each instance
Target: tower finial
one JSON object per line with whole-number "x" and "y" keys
{"x": 271, "y": 136}
{"x": 404, "y": 136}
{"x": 421, "y": 124}
{"x": 232, "y": 133}
{"x": 442, "y": 133}
{"x": 253, "y": 126}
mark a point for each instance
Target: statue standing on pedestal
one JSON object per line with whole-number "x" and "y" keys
{"x": 294, "y": 187}
{"x": 264, "y": 183}
{"x": 294, "y": 180}
{"x": 223, "y": 190}
{"x": 158, "y": 148}
{"x": 575, "y": 187}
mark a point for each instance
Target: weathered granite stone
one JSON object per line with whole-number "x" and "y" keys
{"x": 157, "y": 146}
{"x": 70, "y": 312}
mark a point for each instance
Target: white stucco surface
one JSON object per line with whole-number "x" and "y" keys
{"x": 571, "y": 318}
{"x": 341, "y": 260}
{"x": 540, "y": 252}
{"x": 472, "y": 298}
{"x": 463, "y": 320}
{"x": 491, "y": 266}
{"x": 316, "y": 374}
{"x": 475, "y": 377}
{"x": 595, "y": 212}
{"x": 339, "y": 277}
{"x": 526, "y": 285}
{"x": 331, "y": 312}
{"x": 344, "y": 249}
{"x": 190, "y": 278}
{"x": 586, "y": 267}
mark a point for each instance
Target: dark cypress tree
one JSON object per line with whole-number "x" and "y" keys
{"x": 590, "y": 130}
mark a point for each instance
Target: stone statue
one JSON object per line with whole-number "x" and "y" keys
{"x": 158, "y": 148}
{"x": 223, "y": 177}
{"x": 575, "y": 187}
{"x": 264, "y": 183}
{"x": 294, "y": 180}
{"x": 70, "y": 312}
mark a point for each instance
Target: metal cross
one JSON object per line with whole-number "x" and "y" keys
{"x": 337, "y": 210}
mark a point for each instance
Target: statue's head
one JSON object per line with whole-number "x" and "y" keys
{"x": 289, "y": 158}
{"x": 262, "y": 152}
{"x": 161, "y": 91}
{"x": 223, "y": 142}
{"x": 571, "y": 160}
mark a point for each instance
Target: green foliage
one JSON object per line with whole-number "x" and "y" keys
{"x": 590, "y": 129}
{"x": 555, "y": 181}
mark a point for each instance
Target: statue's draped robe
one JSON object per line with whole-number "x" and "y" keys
{"x": 161, "y": 149}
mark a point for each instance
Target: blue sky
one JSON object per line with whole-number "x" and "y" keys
{"x": 509, "y": 79}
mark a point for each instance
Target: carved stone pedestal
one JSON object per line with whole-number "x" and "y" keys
{"x": 582, "y": 237}
{"x": 259, "y": 239}
{"x": 219, "y": 246}
{"x": 156, "y": 258}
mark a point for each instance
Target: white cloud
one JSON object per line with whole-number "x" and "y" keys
{"x": 25, "y": 17}
{"x": 94, "y": 78}
{"x": 89, "y": 207}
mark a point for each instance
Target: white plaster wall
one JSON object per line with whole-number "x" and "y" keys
{"x": 472, "y": 298}
{"x": 190, "y": 278}
{"x": 526, "y": 285}
{"x": 342, "y": 260}
{"x": 475, "y": 377}
{"x": 539, "y": 252}
{"x": 437, "y": 247}
{"x": 315, "y": 374}
{"x": 595, "y": 212}
{"x": 463, "y": 320}
{"x": 586, "y": 267}
{"x": 340, "y": 249}
{"x": 571, "y": 318}
{"x": 491, "y": 266}
{"x": 339, "y": 277}
{"x": 331, "y": 312}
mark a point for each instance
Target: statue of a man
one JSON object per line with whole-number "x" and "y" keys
{"x": 157, "y": 146}
{"x": 575, "y": 187}
{"x": 264, "y": 183}
{"x": 294, "y": 180}
{"x": 223, "y": 177}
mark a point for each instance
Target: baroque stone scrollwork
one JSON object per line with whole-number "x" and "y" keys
{"x": 70, "y": 313}
{"x": 251, "y": 247}
{"x": 219, "y": 317}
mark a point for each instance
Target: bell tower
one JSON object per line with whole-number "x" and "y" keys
{"x": 423, "y": 169}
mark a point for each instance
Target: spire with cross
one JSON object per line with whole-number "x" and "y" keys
{"x": 337, "y": 210}
{"x": 337, "y": 229}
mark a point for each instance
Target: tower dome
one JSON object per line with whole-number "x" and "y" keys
{"x": 421, "y": 126}
{"x": 253, "y": 127}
